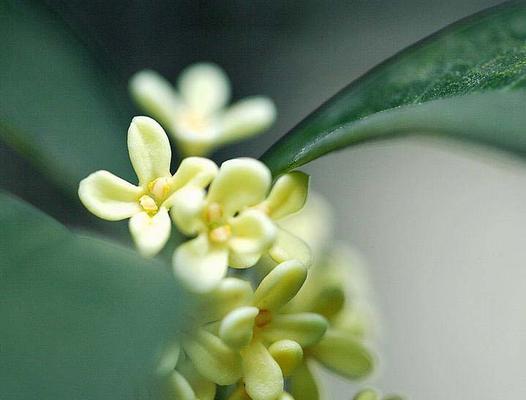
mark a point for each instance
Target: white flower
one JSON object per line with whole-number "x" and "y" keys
{"x": 196, "y": 113}
{"x": 228, "y": 231}
{"x": 233, "y": 222}
{"x": 112, "y": 198}
{"x": 269, "y": 341}
{"x": 212, "y": 359}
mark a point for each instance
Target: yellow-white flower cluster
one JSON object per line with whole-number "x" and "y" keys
{"x": 262, "y": 342}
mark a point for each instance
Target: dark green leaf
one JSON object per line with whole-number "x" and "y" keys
{"x": 57, "y": 107}
{"x": 467, "y": 82}
{"x": 80, "y": 318}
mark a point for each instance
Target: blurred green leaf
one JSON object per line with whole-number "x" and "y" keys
{"x": 466, "y": 82}
{"x": 81, "y": 318}
{"x": 57, "y": 107}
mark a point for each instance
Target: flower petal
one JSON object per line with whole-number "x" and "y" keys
{"x": 252, "y": 232}
{"x": 237, "y": 327}
{"x": 343, "y": 354}
{"x": 199, "y": 265}
{"x": 240, "y": 183}
{"x": 262, "y": 374}
{"x": 242, "y": 261}
{"x": 186, "y": 209}
{"x": 304, "y": 328}
{"x": 290, "y": 247}
{"x": 155, "y": 95}
{"x": 288, "y": 195}
{"x": 212, "y": 358}
{"x": 187, "y": 201}
{"x": 179, "y": 388}
{"x": 229, "y": 294}
{"x": 303, "y": 385}
{"x": 288, "y": 354}
{"x": 194, "y": 171}
{"x": 280, "y": 285}
{"x": 204, "y": 87}
{"x": 109, "y": 197}
{"x": 169, "y": 358}
{"x": 204, "y": 388}
{"x": 246, "y": 118}
{"x": 149, "y": 149}
{"x": 150, "y": 233}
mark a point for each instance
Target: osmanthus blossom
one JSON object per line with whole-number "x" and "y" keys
{"x": 270, "y": 342}
{"x": 146, "y": 204}
{"x": 336, "y": 272}
{"x": 196, "y": 113}
{"x": 238, "y": 336}
{"x": 342, "y": 349}
{"x": 199, "y": 360}
{"x": 264, "y": 341}
{"x": 233, "y": 222}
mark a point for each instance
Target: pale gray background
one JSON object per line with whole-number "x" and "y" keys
{"x": 444, "y": 234}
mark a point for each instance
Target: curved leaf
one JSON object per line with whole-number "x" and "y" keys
{"x": 56, "y": 107}
{"x": 80, "y": 318}
{"x": 467, "y": 82}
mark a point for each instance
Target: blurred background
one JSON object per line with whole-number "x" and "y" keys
{"x": 442, "y": 227}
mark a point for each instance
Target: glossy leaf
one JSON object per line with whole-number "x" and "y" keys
{"x": 81, "y": 318}
{"x": 57, "y": 107}
{"x": 466, "y": 82}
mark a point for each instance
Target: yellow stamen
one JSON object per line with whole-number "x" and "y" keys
{"x": 148, "y": 204}
{"x": 220, "y": 234}
{"x": 159, "y": 187}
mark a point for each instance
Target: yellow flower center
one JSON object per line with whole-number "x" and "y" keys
{"x": 218, "y": 230}
{"x": 148, "y": 204}
{"x": 194, "y": 122}
{"x": 159, "y": 188}
{"x": 158, "y": 191}
{"x": 220, "y": 234}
